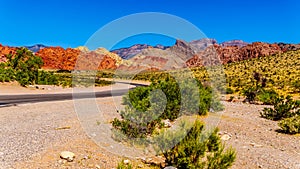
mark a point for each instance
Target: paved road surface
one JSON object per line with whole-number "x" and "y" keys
{"x": 9, "y": 100}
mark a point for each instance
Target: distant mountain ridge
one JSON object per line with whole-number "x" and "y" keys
{"x": 238, "y": 43}
{"x": 127, "y": 53}
{"x": 182, "y": 54}
{"x": 36, "y": 48}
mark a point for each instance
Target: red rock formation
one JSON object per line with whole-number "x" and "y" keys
{"x": 5, "y": 50}
{"x": 65, "y": 59}
{"x": 95, "y": 61}
{"x": 211, "y": 53}
{"x": 58, "y": 58}
{"x": 232, "y": 53}
{"x": 259, "y": 49}
{"x": 288, "y": 47}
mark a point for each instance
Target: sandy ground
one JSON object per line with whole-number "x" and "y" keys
{"x": 30, "y": 138}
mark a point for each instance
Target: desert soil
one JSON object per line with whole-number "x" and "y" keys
{"x": 31, "y": 137}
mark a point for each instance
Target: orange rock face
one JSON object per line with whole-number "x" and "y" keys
{"x": 65, "y": 59}
{"x": 5, "y": 50}
{"x": 58, "y": 58}
{"x": 95, "y": 61}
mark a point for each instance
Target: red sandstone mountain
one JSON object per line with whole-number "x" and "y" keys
{"x": 233, "y": 53}
{"x": 202, "y": 52}
{"x": 65, "y": 59}
{"x": 58, "y": 57}
{"x": 182, "y": 54}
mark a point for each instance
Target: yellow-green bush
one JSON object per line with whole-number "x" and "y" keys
{"x": 290, "y": 125}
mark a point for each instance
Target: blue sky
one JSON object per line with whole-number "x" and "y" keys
{"x": 70, "y": 23}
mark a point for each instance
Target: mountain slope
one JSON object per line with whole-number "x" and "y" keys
{"x": 66, "y": 59}
{"x": 36, "y": 48}
{"x": 127, "y": 53}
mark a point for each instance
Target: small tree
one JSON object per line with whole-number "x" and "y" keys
{"x": 258, "y": 92}
{"x": 283, "y": 108}
{"x": 25, "y": 65}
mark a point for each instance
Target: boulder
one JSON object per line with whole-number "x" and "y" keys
{"x": 67, "y": 155}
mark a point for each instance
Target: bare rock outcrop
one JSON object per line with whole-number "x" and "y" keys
{"x": 230, "y": 54}
{"x": 66, "y": 59}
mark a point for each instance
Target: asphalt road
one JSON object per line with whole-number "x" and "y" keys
{"x": 11, "y": 100}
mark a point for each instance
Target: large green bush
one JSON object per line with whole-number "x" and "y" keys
{"x": 267, "y": 97}
{"x": 146, "y": 107}
{"x": 25, "y": 65}
{"x": 168, "y": 100}
{"x": 197, "y": 150}
{"x": 47, "y": 78}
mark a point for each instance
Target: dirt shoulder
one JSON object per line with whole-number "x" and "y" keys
{"x": 30, "y": 138}
{"x": 256, "y": 140}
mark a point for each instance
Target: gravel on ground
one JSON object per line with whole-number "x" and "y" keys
{"x": 33, "y": 135}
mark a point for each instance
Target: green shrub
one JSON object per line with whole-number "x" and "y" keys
{"x": 25, "y": 66}
{"x": 196, "y": 150}
{"x": 296, "y": 85}
{"x": 47, "y": 78}
{"x": 6, "y": 74}
{"x": 229, "y": 90}
{"x": 144, "y": 112}
{"x": 99, "y": 82}
{"x": 121, "y": 165}
{"x": 250, "y": 94}
{"x": 267, "y": 97}
{"x": 283, "y": 108}
{"x": 290, "y": 125}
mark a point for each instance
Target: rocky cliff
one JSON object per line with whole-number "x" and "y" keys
{"x": 58, "y": 58}
{"x": 288, "y": 47}
{"x": 65, "y": 59}
{"x": 230, "y": 54}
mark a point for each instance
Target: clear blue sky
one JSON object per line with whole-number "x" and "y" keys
{"x": 70, "y": 23}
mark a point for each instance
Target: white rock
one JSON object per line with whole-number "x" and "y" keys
{"x": 255, "y": 145}
{"x": 67, "y": 155}
{"x": 167, "y": 123}
{"x": 170, "y": 167}
{"x": 126, "y": 162}
{"x": 225, "y": 137}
